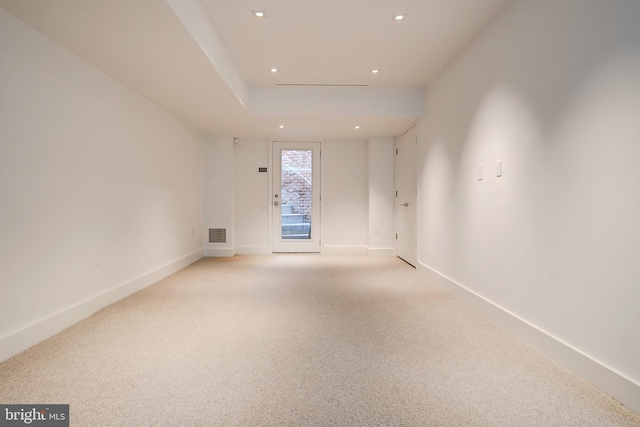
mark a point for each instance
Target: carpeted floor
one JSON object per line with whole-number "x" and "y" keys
{"x": 300, "y": 340}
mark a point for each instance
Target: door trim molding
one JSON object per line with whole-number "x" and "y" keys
{"x": 270, "y": 177}
{"x": 408, "y": 255}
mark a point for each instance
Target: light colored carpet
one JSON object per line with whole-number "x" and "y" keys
{"x": 300, "y": 340}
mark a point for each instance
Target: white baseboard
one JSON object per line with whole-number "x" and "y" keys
{"x": 381, "y": 251}
{"x": 614, "y": 383}
{"x": 219, "y": 252}
{"x": 344, "y": 250}
{"x": 253, "y": 250}
{"x": 41, "y": 329}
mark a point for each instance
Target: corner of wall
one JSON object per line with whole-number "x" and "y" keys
{"x": 381, "y": 251}
{"x": 41, "y": 329}
{"x": 607, "y": 379}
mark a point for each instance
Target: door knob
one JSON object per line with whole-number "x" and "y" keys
{"x": 405, "y": 204}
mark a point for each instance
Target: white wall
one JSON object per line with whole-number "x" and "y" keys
{"x": 345, "y": 193}
{"x": 219, "y": 159}
{"x": 552, "y": 89}
{"x": 381, "y": 156}
{"x": 87, "y": 167}
{"x": 251, "y": 196}
{"x": 237, "y": 197}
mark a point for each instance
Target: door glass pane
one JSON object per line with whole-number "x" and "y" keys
{"x": 295, "y": 192}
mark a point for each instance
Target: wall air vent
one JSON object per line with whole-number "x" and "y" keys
{"x": 217, "y": 235}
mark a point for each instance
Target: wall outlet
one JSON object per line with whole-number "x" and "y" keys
{"x": 96, "y": 260}
{"x": 376, "y": 229}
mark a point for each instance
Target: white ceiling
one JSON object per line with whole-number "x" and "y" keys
{"x": 208, "y": 61}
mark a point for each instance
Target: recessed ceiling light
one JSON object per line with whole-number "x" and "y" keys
{"x": 399, "y": 16}
{"x": 259, "y": 13}
{"x": 375, "y": 71}
{"x": 281, "y": 126}
{"x": 357, "y": 127}
{"x": 274, "y": 70}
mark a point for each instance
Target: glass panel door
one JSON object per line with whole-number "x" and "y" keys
{"x": 296, "y": 197}
{"x": 296, "y": 192}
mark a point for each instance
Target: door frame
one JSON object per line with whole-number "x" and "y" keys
{"x": 411, "y": 255}
{"x": 317, "y": 193}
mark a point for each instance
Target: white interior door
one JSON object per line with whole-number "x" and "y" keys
{"x": 406, "y": 196}
{"x": 296, "y": 196}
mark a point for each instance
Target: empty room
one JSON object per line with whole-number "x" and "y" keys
{"x": 320, "y": 213}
